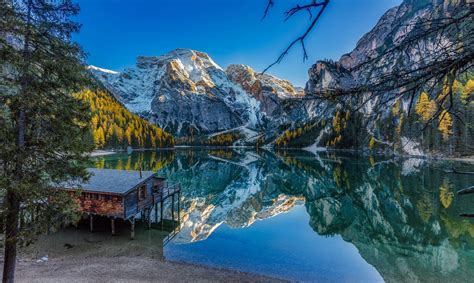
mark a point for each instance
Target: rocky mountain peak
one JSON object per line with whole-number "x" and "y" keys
{"x": 267, "y": 89}
{"x": 255, "y": 82}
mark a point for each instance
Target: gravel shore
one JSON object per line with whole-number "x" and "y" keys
{"x": 71, "y": 255}
{"x": 126, "y": 269}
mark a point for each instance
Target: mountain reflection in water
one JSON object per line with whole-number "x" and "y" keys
{"x": 402, "y": 216}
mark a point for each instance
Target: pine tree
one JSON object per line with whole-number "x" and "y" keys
{"x": 43, "y": 125}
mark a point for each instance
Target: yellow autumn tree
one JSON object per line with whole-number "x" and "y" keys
{"x": 128, "y": 135}
{"x": 456, "y": 86}
{"x": 99, "y": 137}
{"x": 336, "y": 123}
{"x": 372, "y": 143}
{"x": 95, "y": 121}
{"x": 396, "y": 107}
{"x": 445, "y": 124}
{"x": 425, "y": 107}
{"x": 445, "y": 195}
{"x": 114, "y": 119}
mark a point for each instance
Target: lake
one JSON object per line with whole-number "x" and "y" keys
{"x": 317, "y": 217}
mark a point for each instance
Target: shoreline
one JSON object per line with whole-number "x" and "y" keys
{"x": 468, "y": 159}
{"x": 96, "y": 153}
{"x": 77, "y": 255}
{"x": 126, "y": 268}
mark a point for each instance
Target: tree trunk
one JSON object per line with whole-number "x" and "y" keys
{"x": 12, "y": 199}
{"x": 13, "y": 209}
{"x": 11, "y": 233}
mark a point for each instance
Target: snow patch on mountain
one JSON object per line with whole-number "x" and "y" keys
{"x": 94, "y": 68}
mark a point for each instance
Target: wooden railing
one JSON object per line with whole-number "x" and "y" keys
{"x": 165, "y": 192}
{"x": 145, "y": 203}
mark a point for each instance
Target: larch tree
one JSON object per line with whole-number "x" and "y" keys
{"x": 42, "y": 123}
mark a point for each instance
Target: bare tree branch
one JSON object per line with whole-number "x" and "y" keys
{"x": 314, "y": 4}
{"x": 269, "y": 6}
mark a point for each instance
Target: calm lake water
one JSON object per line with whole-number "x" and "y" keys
{"x": 326, "y": 217}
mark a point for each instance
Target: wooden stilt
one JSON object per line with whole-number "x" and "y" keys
{"x": 132, "y": 228}
{"x": 91, "y": 222}
{"x": 179, "y": 199}
{"x": 20, "y": 219}
{"x": 161, "y": 214}
{"x": 172, "y": 206}
{"x": 112, "y": 226}
{"x": 149, "y": 218}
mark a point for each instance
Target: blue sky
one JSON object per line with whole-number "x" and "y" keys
{"x": 115, "y": 32}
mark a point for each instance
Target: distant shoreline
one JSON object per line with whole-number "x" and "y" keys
{"x": 96, "y": 153}
{"x": 468, "y": 159}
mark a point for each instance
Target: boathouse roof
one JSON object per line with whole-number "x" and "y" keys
{"x": 110, "y": 181}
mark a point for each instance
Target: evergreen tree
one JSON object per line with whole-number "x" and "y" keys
{"x": 42, "y": 124}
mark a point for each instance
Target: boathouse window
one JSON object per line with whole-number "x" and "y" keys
{"x": 142, "y": 192}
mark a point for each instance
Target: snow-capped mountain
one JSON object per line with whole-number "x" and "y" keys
{"x": 186, "y": 92}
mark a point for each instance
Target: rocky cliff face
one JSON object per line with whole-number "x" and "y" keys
{"x": 267, "y": 89}
{"x": 384, "y": 123}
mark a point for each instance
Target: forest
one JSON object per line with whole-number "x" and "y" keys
{"x": 432, "y": 114}
{"x": 112, "y": 126}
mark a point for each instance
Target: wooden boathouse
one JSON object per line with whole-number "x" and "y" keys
{"x": 123, "y": 194}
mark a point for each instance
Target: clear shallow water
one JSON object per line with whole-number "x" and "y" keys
{"x": 327, "y": 217}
